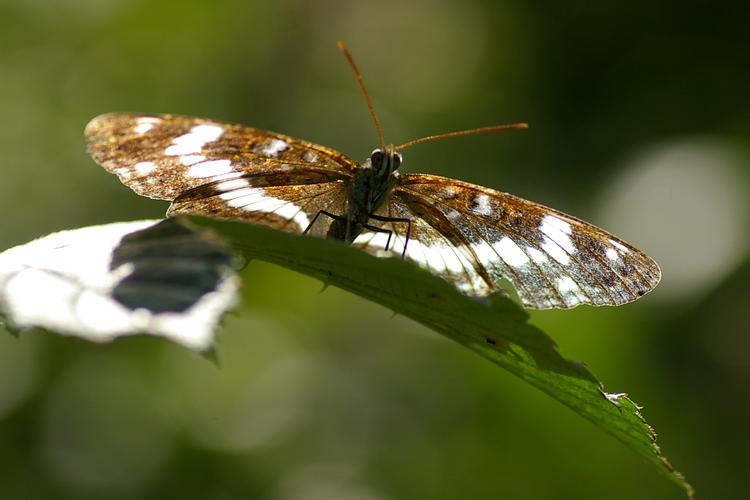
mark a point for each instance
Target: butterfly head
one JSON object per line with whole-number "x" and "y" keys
{"x": 385, "y": 161}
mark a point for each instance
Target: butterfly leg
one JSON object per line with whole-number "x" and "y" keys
{"x": 380, "y": 230}
{"x": 322, "y": 212}
{"x": 396, "y": 219}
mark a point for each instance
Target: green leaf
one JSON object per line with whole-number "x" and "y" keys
{"x": 496, "y": 327}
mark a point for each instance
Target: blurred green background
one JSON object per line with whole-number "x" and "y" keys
{"x": 640, "y": 123}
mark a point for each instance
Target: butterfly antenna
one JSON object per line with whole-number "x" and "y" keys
{"x": 473, "y": 131}
{"x": 358, "y": 76}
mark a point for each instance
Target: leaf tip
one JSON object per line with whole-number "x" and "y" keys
{"x": 615, "y": 397}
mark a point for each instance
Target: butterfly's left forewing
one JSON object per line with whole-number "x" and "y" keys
{"x": 214, "y": 168}
{"x": 552, "y": 259}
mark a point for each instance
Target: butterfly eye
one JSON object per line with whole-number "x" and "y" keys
{"x": 397, "y": 160}
{"x": 377, "y": 156}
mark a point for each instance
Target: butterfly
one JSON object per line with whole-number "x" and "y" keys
{"x": 472, "y": 236}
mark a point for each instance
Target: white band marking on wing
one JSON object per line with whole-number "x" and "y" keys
{"x": 487, "y": 256}
{"x": 611, "y": 254}
{"x": 483, "y": 205}
{"x": 210, "y": 168}
{"x": 256, "y": 200}
{"x": 558, "y": 231}
{"x": 188, "y": 160}
{"x": 536, "y": 255}
{"x": 193, "y": 141}
{"x": 566, "y": 284}
{"x": 510, "y": 252}
{"x": 145, "y": 167}
{"x": 275, "y": 148}
{"x": 618, "y": 245}
{"x": 145, "y": 123}
{"x": 555, "y": 251}
{"x": 232, "y": 185}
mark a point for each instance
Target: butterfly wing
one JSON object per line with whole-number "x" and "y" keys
{"x": 290, "y": 208}
{"x": 431, "y": 244}
{"x": 552, "y": 259}
{"x": 220, "y": 169}
{"x": 472, "y": 236}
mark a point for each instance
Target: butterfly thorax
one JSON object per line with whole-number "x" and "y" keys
{"x": 372, "y": 183}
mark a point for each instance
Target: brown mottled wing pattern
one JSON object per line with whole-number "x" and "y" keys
{"x": 287, "y": 207}
{"x": 215, "y": 168}
{"x": 431, "y": 244}
{"x": 472, "y": 236}
{"x": 475, "y": 237}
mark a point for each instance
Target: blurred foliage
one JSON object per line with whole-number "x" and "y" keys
{"x": 324, "y": 395}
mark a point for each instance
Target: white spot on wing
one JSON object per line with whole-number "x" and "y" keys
{"x": 265, "y": 203}
{"x": 193, "y": 141}
{"x": 256, "y": 200}
{"x": 435, "y": 255}
{"x": 453, "y": 215}
{"x": 242, "y": 197}
{"x": 145, "y": 167}
{"x": 188, "y": 160}
{"x": 448, "y": 192}
{"x": 232, "y": 184}
{"x": 558, "y": 230}
{"x": 452, "y": 260}
{"x": 142, "y": 128}
{"x": 483, "y": 205}
{"x": 611, "y": 254}
{"x": 210, "y": 168}
{"x": 620, "y": 246}
{"x": 275, "y": 148}
{"x": 231, "y": 175}
{"x": 558, "y": 223}
{"x": 310, "y": 156}
{"x": 439, "y": 257}
{"x": 207, "y": 133}
{"x": 536, "y": 255}
{"x": 290, "y": 211}
{"x": 377, "y": 240}
{"x": 555, "y": 251}
{"x": 236, "y": 193}
{"x": 510, "y": 252}
{"x": 485, "y": 254}
{"x": 566, "y": 284}
{"x": 145, "y": 123}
